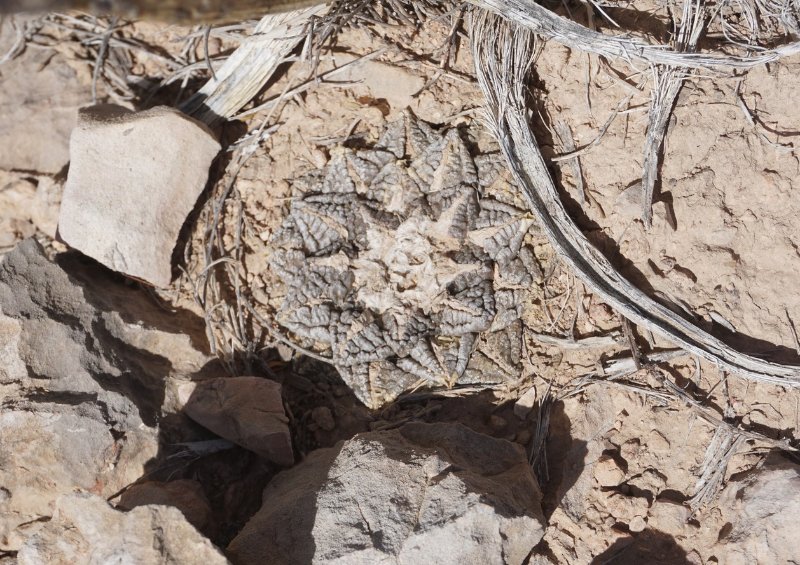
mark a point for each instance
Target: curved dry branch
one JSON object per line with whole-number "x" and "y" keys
{"x": 503, "y": 54}
{"x": 545, "y": 23}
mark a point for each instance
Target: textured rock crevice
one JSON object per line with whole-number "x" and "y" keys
{"x": 84, "y": 386}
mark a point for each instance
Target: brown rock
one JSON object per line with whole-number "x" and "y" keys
{"x": 607, "y": 472}
{"x": 133, "y": 179}
{"x": 185, "y": 495}
{"x": 247, "y": 411}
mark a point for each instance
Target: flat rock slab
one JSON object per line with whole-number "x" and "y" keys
{"x": 133, "y": 179}
{"x": 247, "y": 411}
{"x": 85, "y": 529}
{"x": 423, "y": 493}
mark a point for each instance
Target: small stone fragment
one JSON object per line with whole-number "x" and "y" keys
{"x": 525, "y": 404}
{"x": 523, "y": 437}
{"x": 637, "y": 525}
{"x": 497, "y": 422}
{"x": 607, "y": 472}
{"x": 133, "y": 179}
{"x": 185, "y": 495}
{"x": 85, "y": 529}
{"x": 422, "y": 493}
{"x": 247, "y": 411}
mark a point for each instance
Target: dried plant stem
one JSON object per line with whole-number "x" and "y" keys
{"x": 504, "y": 53}
{"x": 667, "y": 83}
{"x": 543, "y": 22}
{"x": 251, "y": 66}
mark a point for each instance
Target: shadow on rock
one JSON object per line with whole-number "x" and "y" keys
{"x": 565, "y": 458}
{"x": 421, "y": 493}
{"x": 652, "y": 547}
{"x": 86, "y": 369}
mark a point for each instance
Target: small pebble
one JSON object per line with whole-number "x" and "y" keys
{"x": 607, "y": 472}
{"x": 523, "y": 437}
{"x": 525, "y": 404}
{"x": 284, "y": 352}
{"x": 637, "y": 524}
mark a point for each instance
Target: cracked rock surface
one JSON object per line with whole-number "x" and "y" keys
{"x": 403, "y": 264}
{"x": 423, "y": 493}
{"x": 762, "y": 516}
{"x": 86, "y": 529}
{"x": 84, "y": 376}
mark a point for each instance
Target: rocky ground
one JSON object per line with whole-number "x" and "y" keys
{"x": 369, "y": 351}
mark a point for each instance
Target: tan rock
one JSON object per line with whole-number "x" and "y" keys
{"x": 133, "y": 179}
{"x": 247, "y": 411}
{"x": 40, "y": 94}
{"x": 668, "y": 517}
{"x": 637, "y": 524}
{"x": 85, "y": 529}
{"x": 607, "y": 472}
{"x": 186, "y": 495}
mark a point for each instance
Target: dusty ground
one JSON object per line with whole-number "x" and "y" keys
{"x": 619, "y": 468}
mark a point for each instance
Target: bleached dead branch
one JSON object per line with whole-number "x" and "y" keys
{"x": 504, "y": 53}
{"x": 543, "y": 22}
{"x": 251, "y": 66}
{"x": 667, "y": 83}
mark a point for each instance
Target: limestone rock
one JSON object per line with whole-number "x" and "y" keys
{"x": 762, "y": 516}
{"x": 85, "y": 529}
{"x": 133, "y": 179}
{"x": 423, "y": 493}
{"x": 185, "y": 495}
{"x": 82, "y": 382}
{"x": 247, "y": 411}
